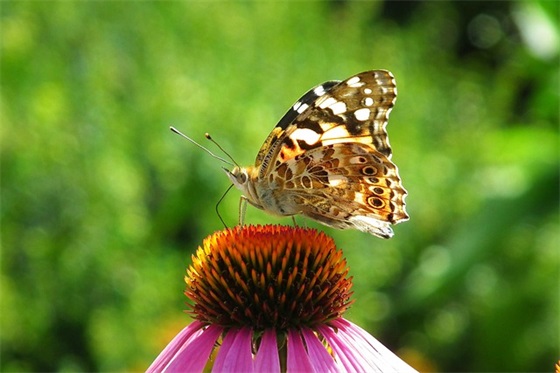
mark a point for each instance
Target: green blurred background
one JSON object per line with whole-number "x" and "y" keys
{"x": 102, "y": 205}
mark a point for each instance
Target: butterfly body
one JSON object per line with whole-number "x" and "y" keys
{"x": 329, "y": 159}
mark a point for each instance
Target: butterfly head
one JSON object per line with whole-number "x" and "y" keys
{"x": 238, "y": 176}
{"x": 241, "y": 178}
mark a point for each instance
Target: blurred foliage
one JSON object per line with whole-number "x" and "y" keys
{"x": 102, "y": 205}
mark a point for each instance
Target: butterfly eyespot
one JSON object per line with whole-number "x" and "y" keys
{"x": 373, "y": 180}
{"x": 378, "y": 190}
{"x": 375, "y": 202}
{"x": 369, "y": 170}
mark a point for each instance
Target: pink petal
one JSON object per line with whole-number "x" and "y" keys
{"x": 174, "y": 346}
{"x": 378, "y": 355}
{"x": 320, "y": 358}
{"x": 235, "y": 353}
{"x": 348, "y": 356}
{"x": 267, "y": 359}
{"x": 194, "y": 356}
{"x": 298, "y": 359}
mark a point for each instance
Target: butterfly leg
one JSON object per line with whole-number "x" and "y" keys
{"x": 242, "y": 209}
{"x": 218, "y": 204}
{"x": 294, "y": 221}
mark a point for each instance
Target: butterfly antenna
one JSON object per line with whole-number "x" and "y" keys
{"x": 222, "y": 149}
{"x": 205, "y": 149}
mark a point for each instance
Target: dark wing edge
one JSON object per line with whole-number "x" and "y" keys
{"x": 271, "y": 145}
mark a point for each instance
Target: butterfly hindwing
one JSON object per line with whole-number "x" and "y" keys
{"x": 342, "y": 180}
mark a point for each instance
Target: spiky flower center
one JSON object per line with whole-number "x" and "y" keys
{"x": 268, "y": 277}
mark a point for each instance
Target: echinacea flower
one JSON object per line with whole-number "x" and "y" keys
{"x": 271, "y": 299}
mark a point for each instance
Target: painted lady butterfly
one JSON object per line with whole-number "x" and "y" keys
{"x": 329, "y": 159}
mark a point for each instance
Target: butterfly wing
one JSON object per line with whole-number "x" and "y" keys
{"x": 356, "y": 109}
{"x": 330, "y": 156}
{"x": 274, "y": 143}
{"x": 345, "y": 185}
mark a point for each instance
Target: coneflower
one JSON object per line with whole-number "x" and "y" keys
{"x": 271, "y": 299}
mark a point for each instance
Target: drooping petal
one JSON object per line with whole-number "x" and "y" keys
{"x": 194, "y": 356}
{"x": 235, "y": 353}
{"x": 298, "y": 359}
{"x": 267, "y": 359}
{"x": 348, "y": 356}
{"x": 379, "y": 357}
{"x": 319, "y": 357}
{"x": 174, "y": 346}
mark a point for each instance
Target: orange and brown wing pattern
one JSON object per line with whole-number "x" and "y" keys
{"x": 354, "y": 110}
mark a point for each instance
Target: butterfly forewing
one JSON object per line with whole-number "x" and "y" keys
{"x": 272, "y": 143}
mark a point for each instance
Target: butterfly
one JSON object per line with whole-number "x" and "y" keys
{"x": 329, "y": 159}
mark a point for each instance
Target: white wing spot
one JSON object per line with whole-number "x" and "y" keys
{"x": 326, "y": 101}
{"x": 319, "y": 91}
{"x": 368, "y": 101}
{"x": 355, "y": 82}
{"x": 302, "y": 108}
{"x": 338, "y": 107}
{"x": 309, "y": 136}
{"x": 362, "y": 114}
{"x": 368, "y": 91}
{"x": 352, "y": 81}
